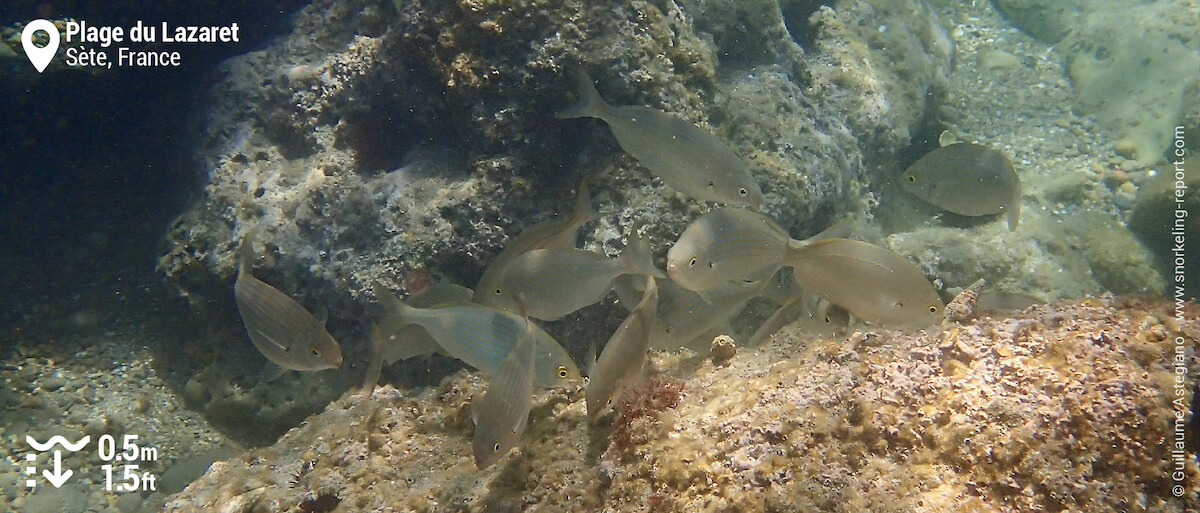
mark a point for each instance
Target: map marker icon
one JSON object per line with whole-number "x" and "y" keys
{"x": 40, "y": 57}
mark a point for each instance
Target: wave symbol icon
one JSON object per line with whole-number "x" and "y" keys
{"x": 58, "y": 440}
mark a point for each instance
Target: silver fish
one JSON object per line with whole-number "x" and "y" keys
{"x": 871, "y": 282}
{"x": 686, "y": 157}
{"x": 281, "y": 329}
{"x": 624, "y": 356}
{"x": 482, "y": 337}
{"x": 967, "y": 179}
{"x": 816, "y": 316}
{"x": 728, "y": 244}
{"x": 502, "y": 414}
{"x": 685, "y": 317}
{"x": 557, "y": 233}
{"x": 401, "y": 341}
{"x": 556, "y": 282}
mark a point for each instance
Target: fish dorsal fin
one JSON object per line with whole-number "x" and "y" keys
{"x": 246, "y": 255}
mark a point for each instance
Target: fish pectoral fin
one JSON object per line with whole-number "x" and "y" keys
{"x": 271, "y": 339}
{"x": 271, "y": 372}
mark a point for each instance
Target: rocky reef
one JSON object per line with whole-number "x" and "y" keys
{"x": 1064, "y": 407}
{"x": 378, "y": 139}
{"x": 375, "y": 140}
{"x": 389, "y": 140}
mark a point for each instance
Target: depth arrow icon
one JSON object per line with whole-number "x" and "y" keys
{"x": 58, "y": 477}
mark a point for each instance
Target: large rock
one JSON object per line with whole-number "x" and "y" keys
{"x": 1065, "y": 407}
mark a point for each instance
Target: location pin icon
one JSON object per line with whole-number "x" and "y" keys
{"x": 40, "y": 57}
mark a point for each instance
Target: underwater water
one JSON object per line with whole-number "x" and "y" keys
{"x": 718, "y": 255}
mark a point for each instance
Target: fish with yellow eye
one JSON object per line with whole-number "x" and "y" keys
{"x": 482, "y": 337}
{"x": 502, "y": 414}
{"x": 967, "y": 179}
{"x": 282, "y": 330}
{"x": 870, "y": 282}
{"x": 556, "y": 282}
{"x": 686, "y": 157}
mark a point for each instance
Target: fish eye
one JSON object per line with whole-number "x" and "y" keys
{"x": 315, "y": 351}
{"x": 912, "y": 178}
{"x": 499, "y": 291}
{"x": 496, "y": 447}
{"x": 710, "y": 265}
{"x": 712, "y": 184}
{"x": 743, "y": 191}
{"x": 692, "y": 263}
{"x": 828, "y": 320}
{"x": 609, "y": 403}
{"x": 562, "y": 371}
{"x": 899, "y": 304}
{"x": 932, "y": 308}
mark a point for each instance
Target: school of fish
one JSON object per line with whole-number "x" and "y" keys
{"x": 721, "y": 261}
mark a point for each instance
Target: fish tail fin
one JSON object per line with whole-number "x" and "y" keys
{"x": 393, "y": 307}
{"x": 589, "y": 104}
{"x": 1014, "y": 209}
{"x": 638, "y": 258}
{"x": 246, "y": 255}
{"x": 375, "y": 366}
{"x": 584, "y": 211}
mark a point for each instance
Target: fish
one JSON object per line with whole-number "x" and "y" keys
{"x": 816, "y": 316}
{"x": 556, "y": 282}
{"x": 624, "y": 355}
{"x": 282, "y": 330}
{"x": 967, "y": 179}
{"x": 685, "y": 317}
{"x": 725, "y": 245}
{"x": 686, "y": 157}
{"x": 502, "y": 414}
{"x": 400, "y": 341}
{"x": 557, "y": 233}
{"x": 482, "y": 337}
{"x": 825, "y": 318}
{"x": 871, "y": 282}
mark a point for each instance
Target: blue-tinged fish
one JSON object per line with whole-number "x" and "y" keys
{"x": 557, "y": 233}
{"x": 967, "y": 179}
{"x": 624, "y": 356}
{"x": 482, "y": 337}
{"x": 726, "y": 245}
{"x": 502, "y": 414}
{"x": 871, "y": 282}
{"x": 686, "y": 157}
{"x": 282, "y": 330}
{"x": 399, "y": 340}
{"x": 556, "y": 282}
